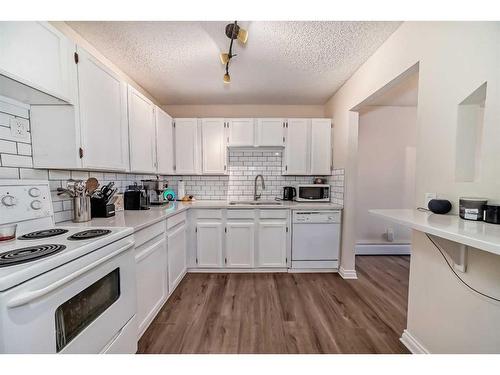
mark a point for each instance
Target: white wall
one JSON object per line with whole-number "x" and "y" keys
{"x": 454, "y": 58}
{"x": 386, "y": 170}
{"x": 245, "y": 110}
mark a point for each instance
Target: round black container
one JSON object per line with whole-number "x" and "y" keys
{"x": 472, "y": 208}
{"x": 439, "y": 206}
{"x": 492, "y": 213}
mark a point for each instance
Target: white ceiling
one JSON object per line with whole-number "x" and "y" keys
{"x": 282, "y": 62}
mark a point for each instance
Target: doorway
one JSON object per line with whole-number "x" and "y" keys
{"x": 387, "y": 132}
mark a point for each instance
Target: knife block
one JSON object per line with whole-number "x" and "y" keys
{"x": 99, "y": 208}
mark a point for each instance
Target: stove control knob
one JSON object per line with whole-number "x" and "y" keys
{"x": 9, "y": 200}
{"x": 36, "y": 205}
{"x": 34, "y": 192}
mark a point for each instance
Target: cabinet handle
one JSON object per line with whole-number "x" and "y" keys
{"x": 225, "y": 260}
{"x": 80, "y": 152}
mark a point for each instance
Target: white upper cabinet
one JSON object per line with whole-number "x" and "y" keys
{"x": 241, "y": 132}
{"x": 321, "y": 147}
{"x": 164, "y": 142}
{"x": 214, "y": 148}
{"x": 297, "y": 149}
{"x": 187, "y": 146}
{"x": 270, "y": 132}
{"x": 142, "y": 132}
{"x": 103, "y": 115}
{"x": 93, "y": 131}
{"x": 308, "y": 149}
{"x": 35, "y": 55}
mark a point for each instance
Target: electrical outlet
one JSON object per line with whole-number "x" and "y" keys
{"x": 428, "y": 197}
{"x": 18, "y": 128}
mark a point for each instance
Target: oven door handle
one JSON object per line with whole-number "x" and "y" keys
{"x": 28, "y": 297}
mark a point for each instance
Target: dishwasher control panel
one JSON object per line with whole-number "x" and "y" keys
{"x": 319, "y": 216}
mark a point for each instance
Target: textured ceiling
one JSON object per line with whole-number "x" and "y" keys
{"x": 282, "y": 62}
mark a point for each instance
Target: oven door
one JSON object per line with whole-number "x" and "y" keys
{"x": 77, "y": 308}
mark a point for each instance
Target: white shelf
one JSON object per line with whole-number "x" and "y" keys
{"x": 476, "y": 234}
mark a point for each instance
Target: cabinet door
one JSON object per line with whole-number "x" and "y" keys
{"x": 240, "y": 247}
{"x": 241, "y": 132}
{"x": 37, "y": 55}
{"x": 270, "y": 132}
{"x": 297, "y": 149}
{"x": 272, "y": 243}
{"x": 176, "y": 256}
{"x": 209, "y": 244}
{"x": 321, "y": 147}
{"x": 151, "y": 275}
{"x": 142, "y": 134}
{"x": 103, "y": 115}
{"x": 164, "y": 142}
{"x": 186, "y": 146}
{"x": 213, "y": 146}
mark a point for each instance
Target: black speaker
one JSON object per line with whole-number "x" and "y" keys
{"x": 439, "y": 206}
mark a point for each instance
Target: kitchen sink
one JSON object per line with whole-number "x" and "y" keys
{"x": 255, "y": 203}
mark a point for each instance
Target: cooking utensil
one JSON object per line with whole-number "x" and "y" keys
{"x": 61, "y": 191}
{"x": 91, "y": 185}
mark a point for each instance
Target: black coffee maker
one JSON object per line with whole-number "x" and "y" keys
{"x": 289, "y": 193}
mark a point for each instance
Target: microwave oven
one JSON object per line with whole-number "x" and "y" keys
{"x": 313, "y": 192}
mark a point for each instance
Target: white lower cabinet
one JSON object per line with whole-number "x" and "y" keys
{"x": 240, "y": 244}
{"x": 176, "y": 239}
{"x": 242, "y": 238}
{"x": 209, "y": 243}
{"x": 151, "y": 275}
{"x": 272, "y": 246}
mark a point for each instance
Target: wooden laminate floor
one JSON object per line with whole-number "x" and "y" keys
{"x": 286, "y": 313}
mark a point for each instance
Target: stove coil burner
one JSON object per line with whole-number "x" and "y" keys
{"x": 88, "y": 234}
{"x": 42, "y": 234}
{"x": 28, "y": 254}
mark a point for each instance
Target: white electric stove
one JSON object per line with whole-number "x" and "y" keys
{"x": 62, "y": 289}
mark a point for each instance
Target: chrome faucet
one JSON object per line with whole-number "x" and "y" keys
{"x": 255, "y": 195}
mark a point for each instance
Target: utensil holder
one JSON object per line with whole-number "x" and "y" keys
{"x": 81, "y": 209}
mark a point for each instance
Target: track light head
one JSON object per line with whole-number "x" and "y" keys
{"x": 233, "y": 31}
{"x": 224, "y": 58}
{"x": 227, "y": 78}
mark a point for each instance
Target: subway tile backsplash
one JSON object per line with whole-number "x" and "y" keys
{"x": 16, "y": 162}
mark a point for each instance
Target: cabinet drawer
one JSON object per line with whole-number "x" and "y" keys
{"x": 149, "y": 233}
{"x": 209, "y": 214}
{"x": 274, "y": 214}
{"x": 241, "y": 214}
{"x": 176, "y": 219}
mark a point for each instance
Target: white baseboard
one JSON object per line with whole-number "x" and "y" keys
{"x": 237, "y": 270}
{"x": 412, "y": 344}
{"x": 313, "y": 270}
{"x": 348, "y": 274}
{"x": 383, "y": 249}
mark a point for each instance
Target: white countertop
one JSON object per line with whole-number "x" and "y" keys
{"x": 139, "y": 219}
{"x": 477, "y": 234}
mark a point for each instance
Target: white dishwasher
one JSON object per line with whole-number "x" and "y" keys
{"x": 316, "y": 239}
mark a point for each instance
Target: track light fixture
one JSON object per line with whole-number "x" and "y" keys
{"x": 233, "y": 31}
